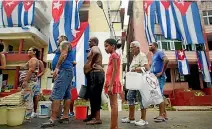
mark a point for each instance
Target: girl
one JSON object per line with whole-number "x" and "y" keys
{"x": 29, "y": 80}
{"x": 113, "y": 84}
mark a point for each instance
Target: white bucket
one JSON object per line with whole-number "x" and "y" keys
{"x": 119, "y": 105}
{"x": 45, "y": 109}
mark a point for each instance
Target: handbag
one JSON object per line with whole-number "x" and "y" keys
{"x": 84, "y": 92}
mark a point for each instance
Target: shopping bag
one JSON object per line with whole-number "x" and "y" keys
{"x": 74, "y": 94}
{"x": 133, "y": 81}
{"x": 150, "y": 89}
{"x": 84, "y": 92}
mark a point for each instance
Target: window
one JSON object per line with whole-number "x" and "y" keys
{"x": 207, "y": 16}
{"x": 178, "y": 77}
{"x": 115, "y": 16}
{"x": 168, "y": 75}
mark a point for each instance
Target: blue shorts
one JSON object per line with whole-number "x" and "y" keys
{"x": 131, "y": 98}
{"x": 61, "y": 89}
{"x": 162, "y": 81}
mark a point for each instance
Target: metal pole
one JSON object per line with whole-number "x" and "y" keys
{"x": 109, "y": 17}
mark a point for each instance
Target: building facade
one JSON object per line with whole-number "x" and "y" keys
{"x": 136, "y": 31}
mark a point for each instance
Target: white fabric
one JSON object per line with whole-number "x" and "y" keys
{"x": 138, "y": 61}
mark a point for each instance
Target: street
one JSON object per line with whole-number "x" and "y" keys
{"x": 177, "y": 120}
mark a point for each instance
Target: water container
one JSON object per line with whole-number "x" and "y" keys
{"x": 3, "y": 115}
{"x": 81, "y": 112}
{"x": 44, "y": 109}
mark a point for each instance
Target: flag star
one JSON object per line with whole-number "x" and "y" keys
{"x": 181, "y": 54}
{"x": 28, "y": 3}
{"x": 10, "y": 3}
{"x": 57, "y": 5}
{"x": 74, "y": 32}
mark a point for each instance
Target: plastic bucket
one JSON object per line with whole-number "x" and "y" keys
{"x": 15, "y": 116}
{"x": 81, "y": 112}
{"x": 3, "y": 115}
{"x": 44, "y": 109}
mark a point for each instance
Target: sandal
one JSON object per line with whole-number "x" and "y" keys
{"x": 89, "y": 118}
{"x": 94, "y": 122}
{"x": 160, "y": 119}
{"x": 50, "y": 123}
{"x": 63, "y": 120}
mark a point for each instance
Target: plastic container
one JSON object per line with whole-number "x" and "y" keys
{"x": 3, "y": 115}
{"x": 46, "y": 92}
{"x": 15, "y": 116}
{"x": 119, "y": 105}
{"x": 81, "y": 112}
{"x": 44, "y": 109}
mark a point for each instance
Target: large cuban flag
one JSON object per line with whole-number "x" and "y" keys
{"x": 182, "y": 62}
{"x": 11, "y": 13}
{"x": 80, "y": 45}
{"x": 204, "y": 65}
{"x": 149, "y": 16}
{"x": 60, "y": 23}
{"x": 28, "y": 11}
{"x": 166, "y": 20}
{"x": 188, "y": 21}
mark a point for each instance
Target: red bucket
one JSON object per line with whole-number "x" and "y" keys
{"x": 81, "y": 112}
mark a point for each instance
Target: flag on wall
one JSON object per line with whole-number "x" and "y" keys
{"x": 182, "y": 62}
{"x": 166, "y": 20}
{"x": 60, "y": 23}
{"x": 11, "y": 13}
{"x": 149, "y": 22}
{"x": 28, "y": 11}
{"x": 80, "y": 45}
{"x": 188, "y": 20}
{"x": 204, "y": 65}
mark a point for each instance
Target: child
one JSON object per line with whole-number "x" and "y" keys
{"x": 113, "y": 84}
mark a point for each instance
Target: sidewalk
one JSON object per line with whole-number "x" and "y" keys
{"x": 177, "y": 120}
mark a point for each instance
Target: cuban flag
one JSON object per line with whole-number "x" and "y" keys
{"x": 11, "y": 13}
{"x": 28, "y": 11}
{"x": 166, "y": 20}
{"x": 149, "y": 22}
{"x": 204, "y": 65}
{"x": 182, "y": 62}
{"x": 80, "y": 45}
{"x": 60, "y": 23}
{"x": 188, "y": 21}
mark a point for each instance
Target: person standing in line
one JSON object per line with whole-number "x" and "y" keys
{"x": 38, "y": 87}
{"x": 112, "y": 84}
{"x": 95, "y": 75}
{"x": 158, "y": 67}
{"x": 2, "y": 63}
{"x": 139, "y": 61}
{"x": 63, "y": 72}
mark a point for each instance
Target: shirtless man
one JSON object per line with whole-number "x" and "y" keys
{"x": 94, "y": 72}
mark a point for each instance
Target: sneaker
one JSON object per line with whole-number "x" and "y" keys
{"x": 71, "y": 114}
{"x": 127, "y": 120}
{"x": 141, "y": 123}
{"x": 34, "y": 115}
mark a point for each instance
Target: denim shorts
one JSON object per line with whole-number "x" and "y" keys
{"x": 162, "y": 81}
{"x": 61, "y": 89}
{"x": 131, "y": 98}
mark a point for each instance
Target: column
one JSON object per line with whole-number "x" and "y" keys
{"x": 18, "y": 67}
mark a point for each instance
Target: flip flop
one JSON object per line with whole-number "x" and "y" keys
{"x": 160, "y": 119}
{"x": 94, "y": 122}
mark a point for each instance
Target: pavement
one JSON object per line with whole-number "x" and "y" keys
{"x": 177, "y": 120}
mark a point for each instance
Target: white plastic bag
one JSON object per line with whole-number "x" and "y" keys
{"x": 150, "y": 89}
{"x": 104, "y": 98}
{"x": 133, "y": 81}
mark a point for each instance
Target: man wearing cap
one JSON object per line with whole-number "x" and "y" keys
{"x": 139, "y": 60}
{"x": 62, "y": 65}
{"x": 95, "y": 75}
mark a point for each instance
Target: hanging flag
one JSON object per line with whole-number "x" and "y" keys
{"x": 77, "y": 19}
{"x": 28, "y": 11}
{"x": 188, "y": 21}
{"x": 80, "y": 45}
{"x": 182, "y": 62}
{"x": 60, "y": 23}
{"x": 149, "y": 22}
{"x": 11, "y": 13}
{"x": 166, "y": 20}
{"x": 1, "y": 22}
{"x": 204, "y": 65}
